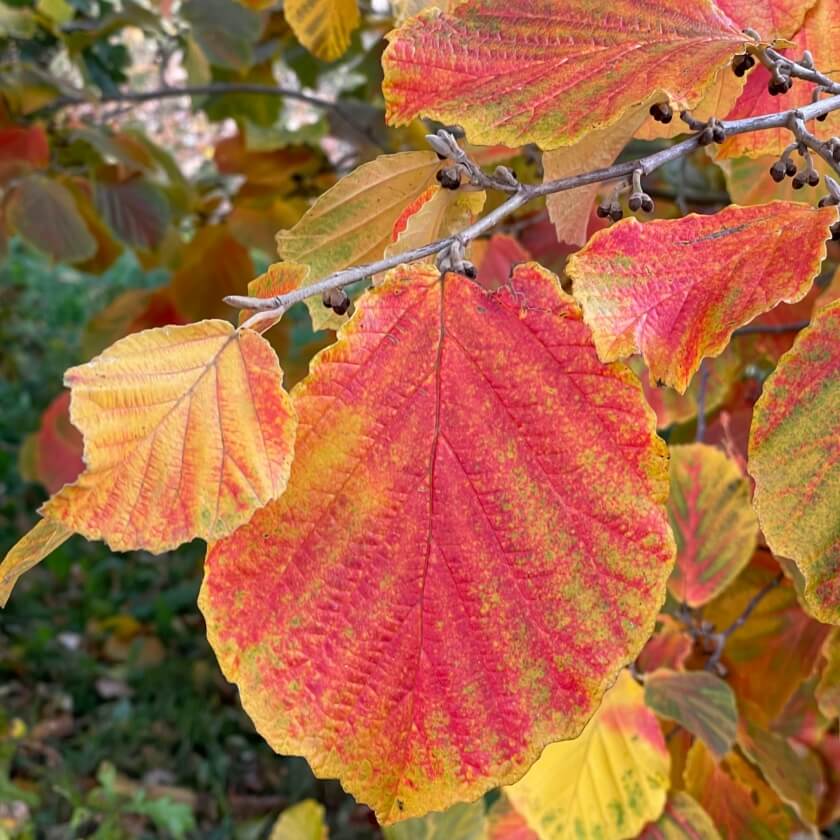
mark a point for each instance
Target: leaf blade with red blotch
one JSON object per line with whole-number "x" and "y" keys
{"x": 713, "y": 522}
{"x": 608, "y": 782}
{"x": 698, "y": 701}
{"x": 414, "y": 457}
{"x": 187, "y": 432}
{"x": 770, "y": 18}
{"x": 532, "y": 72}
{"x": 794, "y": 458}
{"x": 666, "y": 288}
{"x": 682, "y": 819}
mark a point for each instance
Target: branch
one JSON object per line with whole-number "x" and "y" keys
{"x": 272, "y": 308}
{"x": 772, "y": 329}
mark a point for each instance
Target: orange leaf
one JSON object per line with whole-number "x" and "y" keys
{"x": 532, "y": 71}
{"x": 820, "y": 33}
{"x": 187, "y": 432}
{"x": 794, "y": 458}
{"x": 676, "y": 290}
{"x": 713, "y": 521}
{"x": 682, "y": 819}
{"x": 471, "y": 545}
{"x": 669, "y": 647}
{"x": 22, "y": 148}
{"x": 59, "y": 446}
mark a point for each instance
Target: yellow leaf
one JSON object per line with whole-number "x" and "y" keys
{"x": 324, "y": 27}
{"x": 42, "y": 540}
{"x": 607, "y": 782}
{"x": 187, "y": 432}
{"x": 304, "y": 821}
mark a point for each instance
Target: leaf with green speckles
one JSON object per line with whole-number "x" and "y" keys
{"x": 794, "y": 458}
{"x": 682, "y": 819}
{"x": 608, "y": 782}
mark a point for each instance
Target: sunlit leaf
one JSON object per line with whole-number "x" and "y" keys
{"x": 738, "y": 800}
{"x": 304, "y": 821}
{"x": 682, "y": 819}
{"x": 463, "y": 821}
{"x": 698, "y": 701}
{"x": 713, "y": 522}
{"x": 324, "y": 27}
{"x": 30, "y": 550}
{"x": 607, "y": 782}
{"x": 44, "y": 214}
{"x": 794, "y": 459}
{"x": 353, "y": 221}
{"x": 187, "y": 432}
{"x": 518, "y": 71}
{"x": 820, "y": 34}
{"x": 477, "y": 503}
{"x": 791, "y": 769}
{"x": 666, "y": 288}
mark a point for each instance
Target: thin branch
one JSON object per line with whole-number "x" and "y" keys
{"x": 771, "y": 329}
{"x": 522, "y": 196}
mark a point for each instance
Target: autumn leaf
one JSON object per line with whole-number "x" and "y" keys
{"x": 30, "y": 550}
{"x": 304, "y": 821}
{"x": 134, "y": 209}
{"x": 225, "y": 31}
{"x": 59, "y": 446}
{"x": 519, "y": 71}
{"x": 187, "y": 432}
{"x": 669, "y": 646}
{"x": 462, "y": 821}
{"x": 682, "y": 819}
{"x": 477, "y": 503}
{"x": 698, "y": 701}
{"x": 607, "y": 782}
{"x": 828, "y": 690}
{"x": 779, "y": 638}
{"x": 790, "y": 768}
{"x": 324, "y": 27}
{"x": 43, "y": 212}
{"x": 794, "y": 456}
{"x": 352, "y": 222}
{"x": 819, "y": 34}
{"x": 713, "y": 522}
{"x": 570, "y": 210}
{"x": 667, "y": 288}
{"x": 770, "y": 18}
{"x": 22, "y": 148}
{"x": 496, "y": 258}
{"x": 738, "y": 800}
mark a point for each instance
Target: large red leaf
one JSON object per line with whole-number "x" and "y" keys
{"x": 795, "y": 461}
{"x": 770, "y": 18}
{"x": 551, "y": 71}
{"x": 471, "y": 544}
{"x": 676, "y": 290}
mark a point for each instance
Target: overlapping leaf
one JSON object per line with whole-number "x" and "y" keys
{"x": 463, "y": 821}
{"x": 770, "y": 18}
{"x": 187, "y": 432}
{"x": 324, "y": 27}
{"x": 698, "y": 701}
{"x": 828, "y": 690}
{"x": 820, "y": 34}
{"x": 675, "y": 290}
{"x": 713, "y": 522}
{"x": 304, "y": 821}
{"x": 795, "y": 461}
{"x": 669, "y": 646}
{"x": 518, "y": 71}
{"x": 607, "y": 782}
{"x": 353, "y": 221}
{"x": 682, "y": 819}
{"x": 59, "y": 446}
{"x": 471, "y": 544}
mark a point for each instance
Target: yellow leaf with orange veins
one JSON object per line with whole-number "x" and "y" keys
{"x": 40, "y": 542}
{"x": 187, "y": 432}
{"x": 676, "y": 290}
{"x": 352, "y": 222}
{"x": 713, "y": 522}
{"x": 819, "y": 33}
{"x": 532, "y": 71}
{"x": 472, "y": 543}
{"x": 607, "y": 782}
{"x": 794, "y": 459}
{"x": 324, "y": 27}
{"x": 772, "y": 19}
{"x": 682, "y": 819}
{"x": 740, "y": 803}
{"x": 569, "y": 210}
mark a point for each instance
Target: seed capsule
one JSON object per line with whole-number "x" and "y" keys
{"x": 777, "y": 171}
{"x": 635, "y": 203}
{"x": 835, "y": 232}
{"x": 341, "y": 303}
{"x": 790, "y": 168}
{"x": 449, "y": 179}
{"x": 662, "y": 112}
{"x": 647, "y": 204}
{"x": 799, "y": 181}
{"x": 616, "y": 213}
{"x": 742, "y": 63}
{"x": 813, "y": 179}
{"x": 828, "y": 201}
